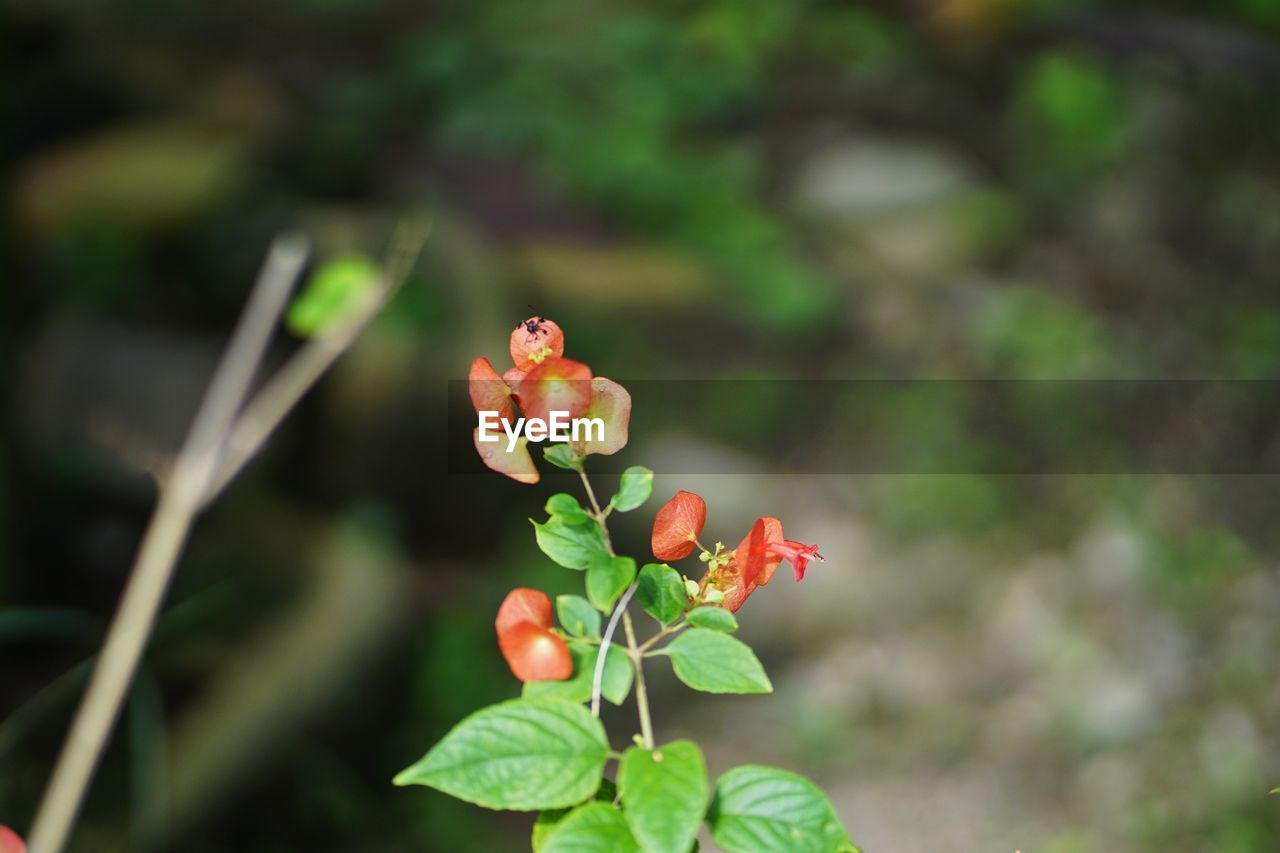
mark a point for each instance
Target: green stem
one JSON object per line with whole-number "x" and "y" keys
{"x": 666, "y": 631}
{"x": 642, "y": 695}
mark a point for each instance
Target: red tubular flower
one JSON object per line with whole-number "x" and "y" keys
{"x": 751, "y": 565}
{"x": 10, "y": 841}
{"x": 525, "y": 638}
{"x": 797, "y": 554}
{"x": 677, "y": 525}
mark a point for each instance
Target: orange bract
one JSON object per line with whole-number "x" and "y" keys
{"x": 516, "y": 463}
{"x": 525, "y": 638}
{"x": 611, "y": 403}
{"x": 524, "y": 605}
{"x": 488, "y": 392}
{"x": 527, "y": 347}
{"x": 677, "y": 525}
{"x": 752, "y": 564}
{"x": 535, "y": 654}
{"x": 753, "y": 556}
{"x": 10, "y": 841}
{"x": 556, "y": 385}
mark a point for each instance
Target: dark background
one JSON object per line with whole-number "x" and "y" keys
{"x": 959, "y": 189}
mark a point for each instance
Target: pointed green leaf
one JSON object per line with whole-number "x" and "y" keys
{"x": 594, "y": 827}
{"x": 635, "y": 488}
{"x": 661, "y": 592}
{"x": 562, "y": 456}
{"x": 571, "y": 545}
{"x": 716, "y": 663}
{"x": 550, "y": 819}
{"x": 577, "y": 616}
{"x": 607, "y": 577}
{"x": 664, "y": 794}
{"x": 615, "y": 682}
{"x": 713, "y": 617}
{"x": 524, "y": 754}
{"x": 762, "y": 810}
{"x": 335, "y": 290}
{"x": 566, "y": 507}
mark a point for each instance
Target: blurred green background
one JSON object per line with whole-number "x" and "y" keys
{"x": 1032, "y": 189}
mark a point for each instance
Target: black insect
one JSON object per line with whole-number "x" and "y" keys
{"x": 534, "y": 327}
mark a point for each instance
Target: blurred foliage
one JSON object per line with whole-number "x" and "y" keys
{"x": 1072, "y": 117}
{"x": 1034, "y": 189}
{"x": 626, "y": 106}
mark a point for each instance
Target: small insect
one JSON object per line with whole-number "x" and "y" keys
{"x": 533, "y": 326}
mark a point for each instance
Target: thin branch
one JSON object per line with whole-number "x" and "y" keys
{"x": 642, "y": 693}
{"x": 667, "y": 631}
{"x": 181, "y": 496}
{"x": 292, "y": 382}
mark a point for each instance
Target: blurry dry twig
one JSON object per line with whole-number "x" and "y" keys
{"x": 218, "y": 446}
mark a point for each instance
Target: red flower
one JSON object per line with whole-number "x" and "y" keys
{"x": 750, "y": 566}
{"x": 733, "y": 574}
{"x": 541, "y": 381}
{"x": 678, "y": 525}
{"x": 10, "y": 841}
{"x": 525, "y": 638}
{"x": 798, "y": 555}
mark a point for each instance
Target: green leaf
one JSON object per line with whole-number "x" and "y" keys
{"x": 661, "y": 592}
{"x": 562, "y": 456}
{"x": 760, "y": 810}
{"x": 607, "y": 577}
{"x": 550, "y": 819}
{"x": 571, "y": 545}
{"x": 577, "y": 616}
{"x": 615, "y": 682}
{"x": 591, "y": 828}
{"x": 713, "y": 617}
{"x": 716, "y": 663}
{"x": 636, "y": 486}
{"x": 566, "y": 507}
{"x": 334, "y": 290}
{"x": 664, "y": 794}
{"x": 524, "y": 754}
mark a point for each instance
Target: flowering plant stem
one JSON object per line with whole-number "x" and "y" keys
{"x": 634, "y": 651}
{"x": 545, "y": 751}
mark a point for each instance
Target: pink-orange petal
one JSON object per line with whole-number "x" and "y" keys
{"x": 556, "y": 385}
{"x": 611, "y": 403}
{"x": 516, "y": 463}
{"x": 535, "y": 654}
{"x": 523, "y": 605}
{"x": 513, "y": 375}
{"x": 526, "y": 346}
{"x": 753, "y": 558}
{"x": 10, "y": 841}
{"x": 677, "y": 525}
{"x": 489, "y": 393}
